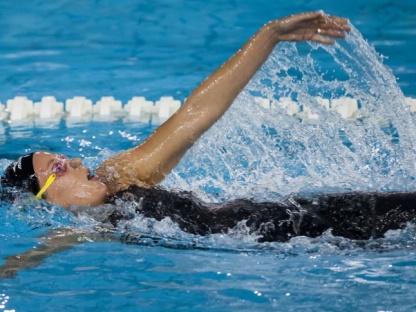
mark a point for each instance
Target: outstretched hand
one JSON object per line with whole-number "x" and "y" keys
{"x": 313, "y": 26}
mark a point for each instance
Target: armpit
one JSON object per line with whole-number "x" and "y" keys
{"x": 119, "y": 175}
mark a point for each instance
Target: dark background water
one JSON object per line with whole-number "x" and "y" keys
{"x": 156, "y": 48}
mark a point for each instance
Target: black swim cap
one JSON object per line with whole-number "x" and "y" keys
{"x": 21, "y": 173}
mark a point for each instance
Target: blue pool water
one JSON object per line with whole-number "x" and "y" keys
{"x": 128, "y": 48}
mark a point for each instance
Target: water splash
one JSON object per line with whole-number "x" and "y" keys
{"x": 254, "y": 152}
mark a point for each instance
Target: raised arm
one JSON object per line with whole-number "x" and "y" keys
{"x": 148, "y": 163}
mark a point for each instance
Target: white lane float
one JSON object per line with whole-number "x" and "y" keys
{"x": 20, "y": 109}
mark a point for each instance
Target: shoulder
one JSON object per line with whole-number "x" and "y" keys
{"x": 157, "y": 200}
{"x": 135, "y": 192}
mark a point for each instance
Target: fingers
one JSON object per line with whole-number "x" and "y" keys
{"x": 318, "y": 38}
{"x": 325, "y": 25}
{"x": 329, "y": 19}
{"x": 321, "y": 17}
{"x": 330, "y": 33}
{"x": 320, "y": 33}
{"x": 333, "y": 22}
{"x": 334, "y": 26}
{"x": 330, "y": 26}
{"x": 313, "y": 26}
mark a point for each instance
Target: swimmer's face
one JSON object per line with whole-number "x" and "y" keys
{"x": 74, "y": 185}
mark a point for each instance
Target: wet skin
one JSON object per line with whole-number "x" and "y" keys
{"x": 74, "y": 185}
{"x": 149, "y": 163}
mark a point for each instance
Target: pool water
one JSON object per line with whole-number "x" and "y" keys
{"x": 130, "y": 48}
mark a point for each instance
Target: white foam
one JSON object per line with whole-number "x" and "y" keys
{"x": 347, "y": 107}
{"x": 322, "y": 130}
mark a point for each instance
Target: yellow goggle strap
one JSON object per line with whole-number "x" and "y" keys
{"x": 48, "y": 183}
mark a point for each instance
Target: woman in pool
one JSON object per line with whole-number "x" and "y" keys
{"x": 132, "y": 174}
{"x": 66, "y": 182}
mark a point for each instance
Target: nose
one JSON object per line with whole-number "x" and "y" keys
{"x": 75, "y": 162}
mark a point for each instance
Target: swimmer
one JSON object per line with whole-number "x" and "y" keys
{"x": 133, "y": 175}
{"x": 67, "y": 182}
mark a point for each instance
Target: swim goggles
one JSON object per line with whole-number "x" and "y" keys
{"x": 48, "y": 183}
{"x": 59, "y": 167}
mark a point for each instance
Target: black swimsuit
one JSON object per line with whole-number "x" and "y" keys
{"x": 354, "y": 215}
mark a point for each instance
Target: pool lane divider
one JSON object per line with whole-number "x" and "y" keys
{"x": 21, "y": 110}
{"x": 78, "y": 109}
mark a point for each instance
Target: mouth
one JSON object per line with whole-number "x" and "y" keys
{"x": 91, "y": 176}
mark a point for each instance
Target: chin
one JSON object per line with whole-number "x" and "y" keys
{"x": 89, "y": 196}
{"x": 86, "y": 201}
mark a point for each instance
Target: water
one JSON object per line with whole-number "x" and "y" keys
{"x": 278, "y": 153}
{"x": 125, "y": 49}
